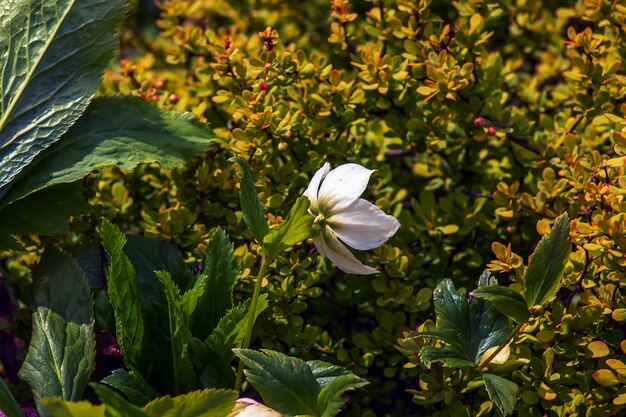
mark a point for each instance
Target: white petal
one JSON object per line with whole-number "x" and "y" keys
{"x": 258, "y": 410}
{"x": 363, "y": 226}
{"x": 314, "y": 186}
{"x": 342, "y": 186}
{"x": 330, "y": 247}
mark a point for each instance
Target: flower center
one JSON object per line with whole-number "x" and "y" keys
{"x": 318, "y": 224}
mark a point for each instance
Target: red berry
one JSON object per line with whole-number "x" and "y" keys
{"x": 155, "y": 97}
{"x": 268, "y": 65}
{"x": 174, "y": 98}
{"x": 479, "y": 122}
{"x": 491, "y": 131}
{"x": 264, "y": 86}
{"x": 158, "y": 85}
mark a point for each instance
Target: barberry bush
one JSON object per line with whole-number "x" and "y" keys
{"x": 485, "y": 122}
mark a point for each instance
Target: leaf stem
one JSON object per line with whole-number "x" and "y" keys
{"x": 251, "y": 316}
{"x": 519, "y": 328}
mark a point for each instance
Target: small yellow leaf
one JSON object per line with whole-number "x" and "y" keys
{"x": 426, "y": 91}
{"x": 500, "y": 358}
{"x": 543, "y": 227}
{"x": 605, "y": 377}
{"x": 545, "y": 335}
{"x": 448, "y": 229}
{"x": 620, "y": 400}
{"x": 618, "y": 366}
{"x": 546, "y": 393}
{"x": 616, "y": 162}
{"x": 598, "y": 349}
{"x": 613, "y": 118}
{"x": 619, "y": 314}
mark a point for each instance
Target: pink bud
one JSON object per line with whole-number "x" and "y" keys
{"x": 268, "y": 65}
{"x": 264, "y": 85}
{"x": 479, "y": 122}
{"x": 491, "y": 131}
{"x": 155, "y": 97}
{"x": 174, "y": 98}
{"x": 158, "y": 85}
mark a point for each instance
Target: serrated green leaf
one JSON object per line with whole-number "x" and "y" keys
{"x": 150, "y": 254}
{"x": 58, "y": 203}
{"x": 502, "y": 392}
{"x": 48, "y": 77}
{"x": 253, "y": 212}
{"x": 180, "y": 335}
{"x": 116, "y": 405}
{"x": 8, "y": 405}
{"x": 218, "y": 282}
{"x": 286, "y": 384}
{"x": 294, "y": 229}
{"x": 509, "y": 302}
{"x": 205, "y": 403}
{"x": 478, "y": 325}
{"x": 132, "y": 385}
{"x": 545, "y": 269}
{"x": 61, "y": 355}
{"x": 334, "y": 381}
{"x": 231, "y": 329}
{"x": 215, "y": 371}
{"x": 61, "y": 286}
{"x": 450, "y": 336}
{"x": 447, "y": 355}
{"x": 325, "y": 372}
{"x": 57, "y": 407}
{"x": 120, "y": 131}
{"x": 123, "y": 295}
{"x": 146, "y": 255}
{"x": 330, "y": 400}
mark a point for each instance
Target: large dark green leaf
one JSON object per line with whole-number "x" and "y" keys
{"x": 502, "y": 392}
{"x": 253, "y": 212}
{"x": 205, "y": 403}
{"x": 218, "y": 282}
{"x": 231, "y": 329}
{"x": 132, "y": 385}
{"x": 149, "y": 254}
{"x": 334, "y": 381}
{"x": 286, "y": 384}
{"x": 116, "y": 405}
{"x": 294, "y": 387}
{"x": 59, "y": 408}
{"x": 509, "y": 302}
{"x": 215, "y": 371}
{"x": 8, "y": 405}
{"x": 215, "y": 355}
{"x": 120, "y": 131}
{"x": 180, "y": 335}
{"x": 61, "y": 355}
{"x": 295, "y": 228}
{"x": 45, "y": 212}
{"x": 478, "y": 325}
{"x": 545, "y": 269}
{"x": 123, "y": 295}
{"x": 447, "y": 356}
{"x": 52, "y": 54}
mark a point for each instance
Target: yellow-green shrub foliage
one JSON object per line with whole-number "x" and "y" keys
{"x": 485, "y": 120}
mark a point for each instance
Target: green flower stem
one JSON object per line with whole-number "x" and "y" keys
{"x": 517, "y": 329}
{"x": 251, "y": 313}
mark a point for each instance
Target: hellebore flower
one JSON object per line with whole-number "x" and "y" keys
{"x": 254, "y": 409}
{"x": 341, "y": 216}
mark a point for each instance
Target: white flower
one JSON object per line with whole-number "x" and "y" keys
{"x": 341, "y": 216}
{"x": 254, "y": 409}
